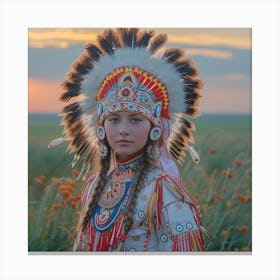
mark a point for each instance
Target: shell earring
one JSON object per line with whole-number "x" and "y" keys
{"x": 155, "y": 133}
{"x": 100, "y": 132}
{"x": 153, "y": 150}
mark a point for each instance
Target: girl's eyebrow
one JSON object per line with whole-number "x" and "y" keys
{"x": 130, "y": 115}
{"x": 135, "y": 114}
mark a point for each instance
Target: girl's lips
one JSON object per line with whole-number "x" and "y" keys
{"x": 124, "y": 142}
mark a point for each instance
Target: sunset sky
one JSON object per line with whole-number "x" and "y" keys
{"x": 222, "y": 55}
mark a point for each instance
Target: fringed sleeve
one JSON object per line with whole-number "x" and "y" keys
{"x": 83, "y": 238}
{"x": 177, "y": 218}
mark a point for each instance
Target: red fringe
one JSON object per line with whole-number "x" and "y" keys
{"x": 188, "y": 242}
{"x": 159, "y": 202}
{"x": 106, "y": 241}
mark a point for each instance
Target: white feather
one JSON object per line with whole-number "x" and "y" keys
{"x": 56, "y": 142}
{"x": 137, "y": 57}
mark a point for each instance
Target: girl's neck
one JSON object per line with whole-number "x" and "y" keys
{"x": 130, "y": 158}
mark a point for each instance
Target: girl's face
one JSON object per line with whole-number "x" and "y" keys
{"x": 126, "y": 132}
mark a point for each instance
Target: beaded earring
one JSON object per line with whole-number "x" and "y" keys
{"x": 102, "y": 149}
{"x": 153, "y": 151}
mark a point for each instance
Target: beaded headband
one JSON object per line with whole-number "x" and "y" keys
{"x": 132, "y": 89}
{"x": 125, "y": 71}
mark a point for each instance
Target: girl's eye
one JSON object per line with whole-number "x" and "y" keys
{"x": 113, "y": 119}
{"x": 136, "y": 120}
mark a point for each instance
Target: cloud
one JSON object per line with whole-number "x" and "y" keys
{"x": 64, "y": 37}
{"x": 60, "y": 38}
{"x": 237, "y": 77}
{"x": 203, "y": 39}
{"x": 209, "y": 53}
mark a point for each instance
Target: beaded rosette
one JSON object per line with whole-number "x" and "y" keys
{"x": 125, "y": 70}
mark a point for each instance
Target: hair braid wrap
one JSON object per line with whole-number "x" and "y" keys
{"x": 139, "y": 183}
{"x": 105, "y": 165}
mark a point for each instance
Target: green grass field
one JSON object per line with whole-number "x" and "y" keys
{"x": 221, "y": 183}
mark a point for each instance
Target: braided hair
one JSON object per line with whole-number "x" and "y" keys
{"x": 105, "y": 165}
{"x": 147, "y": 162}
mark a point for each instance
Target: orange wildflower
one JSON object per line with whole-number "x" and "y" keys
{"x": 225, "y": 233}
{"x": 226, "y": 173}
{"x": 218, "y": 197}
{"x": 212, "y": 151}
{"x": 248, "y": 198}
{"x": 66, "y": 193}
{"x": 55, "y": 207}
{"x": 64, "y": 188}
{"x": 74, "y": 203}
{"x": 38, "y": 181}
{"x": 58, "y": 182}
{"x": 66, "y": 200}
{"x": 72, "y": 183}
{"x": 245, "y": 249}
{"x": 237, "y": 228}
{"x": 240, "y": 197}
{"x": 43, "y": 177}
{"x": 70, "y": 188}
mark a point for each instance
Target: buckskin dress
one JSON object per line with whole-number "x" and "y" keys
{"x": 165, "y": 217}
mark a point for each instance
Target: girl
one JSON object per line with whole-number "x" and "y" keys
{"x": 132, "y": 113}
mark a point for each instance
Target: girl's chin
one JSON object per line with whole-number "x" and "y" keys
{"x": 122, "y": 155}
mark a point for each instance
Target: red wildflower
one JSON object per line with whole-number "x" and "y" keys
{"x": 239, "y": 162}
{"x": 244, "y": 229}
{"x": 30, "y": 215}
{"x": 75, "y": 172}
{"x": 212, "y": 151}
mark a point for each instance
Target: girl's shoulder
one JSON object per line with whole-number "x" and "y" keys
{"x": 167, "y": 186}
{"x": 157, "y": 175}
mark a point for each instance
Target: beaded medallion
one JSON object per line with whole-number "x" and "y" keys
{"x": 114, "y": 199}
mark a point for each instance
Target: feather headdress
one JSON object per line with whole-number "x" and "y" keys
{"x": 125, "y": 70}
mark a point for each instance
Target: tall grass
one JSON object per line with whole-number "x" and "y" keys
{"x": 220, "y": 183}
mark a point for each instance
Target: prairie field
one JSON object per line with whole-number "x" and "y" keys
{"x": 221, "y": 183}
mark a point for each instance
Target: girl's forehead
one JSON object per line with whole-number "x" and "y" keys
{"x": 126, "y": 114}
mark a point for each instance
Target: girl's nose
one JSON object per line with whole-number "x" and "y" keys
{"x": 123, "y": 129}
